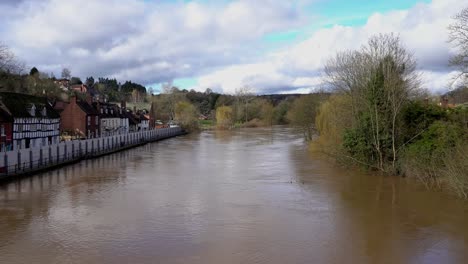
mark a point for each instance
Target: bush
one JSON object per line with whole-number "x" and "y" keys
{"x": 224, "y": 117}
{"x": 456, "y": 170}
{"x": 425, "y": 158}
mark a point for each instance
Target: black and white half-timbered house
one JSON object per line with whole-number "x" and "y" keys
{"x": 33, "y": 121}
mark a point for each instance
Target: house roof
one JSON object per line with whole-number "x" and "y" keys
{"x": 115, "y": 113}
{"x": 19, "y": 105}
{"x": 131, "y": 118}
{"x": 4, "y": 113}
{"x": 87, "y": 108}
{"x": 59, "y": 106}
{"x": 143, "y": 117}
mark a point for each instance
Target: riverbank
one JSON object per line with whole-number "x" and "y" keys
{"x": 211, "y": 124}
{"x": 27, "y": 162}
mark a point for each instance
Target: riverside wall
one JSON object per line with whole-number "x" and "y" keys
{"x": 29, "y": 161}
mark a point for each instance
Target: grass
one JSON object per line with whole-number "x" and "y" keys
{"x": 206, "y": 124}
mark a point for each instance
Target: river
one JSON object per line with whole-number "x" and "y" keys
{"x": 243, "y": 196}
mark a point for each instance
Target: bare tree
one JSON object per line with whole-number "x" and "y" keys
{"x": 244, "y": 95}
{"x": 401, "y": 81}
{"x": 8, "y": 60}
{"x": 169, "y": 97}
{"x": 66, "y": 73}
{"x": 380, "y": 78}
{"x": 458, "y": 36}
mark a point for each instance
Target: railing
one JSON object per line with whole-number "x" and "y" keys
{"x": 29, "y": 160}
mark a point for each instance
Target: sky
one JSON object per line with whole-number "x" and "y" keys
{"x": 271, "y": 46}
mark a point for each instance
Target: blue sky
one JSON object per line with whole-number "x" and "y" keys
{"x": 270, "y": 45}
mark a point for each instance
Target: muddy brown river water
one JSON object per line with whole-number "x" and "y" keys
{"x": 244, "y": 196}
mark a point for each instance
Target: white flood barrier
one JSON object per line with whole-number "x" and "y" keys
{"x": 29, "y": 160}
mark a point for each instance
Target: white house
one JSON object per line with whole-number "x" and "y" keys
{"x": 112, "y": 120}
{"x": 33, "y": 120}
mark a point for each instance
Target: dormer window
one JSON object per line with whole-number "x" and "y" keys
{"x": 112, "y": 111}
{"x": 107, "y": 111}
{"x": 32, "y": 110}
{"x": 44, "y": 111}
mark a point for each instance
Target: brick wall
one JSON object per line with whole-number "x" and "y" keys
{"x": 73, "y": 117}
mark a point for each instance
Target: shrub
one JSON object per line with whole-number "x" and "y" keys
{"x": 424, "y": 159}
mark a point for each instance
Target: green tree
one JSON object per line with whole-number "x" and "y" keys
{"x": 380, "y": 80}
{"x": 89, "y": 81}
{"x": 280, "y": 112}
{"x": 267, "y": 112}
{"x": 333, "y": 119}
{"x": 75, "y": 80}
{"x": 34, "y": 71}
{"x": 186, "y": 115}
{"x": 303, "y": 112}
{"x": 224, "y": 117}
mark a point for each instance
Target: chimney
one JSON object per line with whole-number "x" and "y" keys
{"x": 89, "y": 98}
{"x": 73, "y": 99}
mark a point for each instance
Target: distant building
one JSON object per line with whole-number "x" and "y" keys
{"x": 64, "y": 84}
{"x": 133, "y": 121}
{"x": 144, "y": 120}
{"x": 27, "y": 121}
{"x": 82, "y": 88}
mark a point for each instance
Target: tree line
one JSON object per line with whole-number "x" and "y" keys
{"x": 225, "y": 111}
{"x": 380, "y": 118}
{"x": 14, "y": 79}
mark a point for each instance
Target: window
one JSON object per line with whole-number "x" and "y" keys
{"x": 89, "y": 120}
{"x": 97, "y": 120}
{"x": 20, "y": 128}
{"x": 32, "y": 110}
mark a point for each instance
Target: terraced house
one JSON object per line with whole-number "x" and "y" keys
{"x": 27, "y": 121}
{"x": 112, "y": 119}
{"x": 80, "y": 118}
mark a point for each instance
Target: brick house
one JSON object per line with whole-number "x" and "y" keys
{"x": 80, "y": 118}
{"x": 27, "y": 121}
{"x": 82, "y": 88}
{"x": 6, "y": 129}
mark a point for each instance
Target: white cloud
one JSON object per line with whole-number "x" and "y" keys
{"x": 152, "y": 42}
{"x": 423, "y": 30}
{"x": 131, "y": 38}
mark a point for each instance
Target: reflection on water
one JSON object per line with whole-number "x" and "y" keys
{"x": 244, "y": 196}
